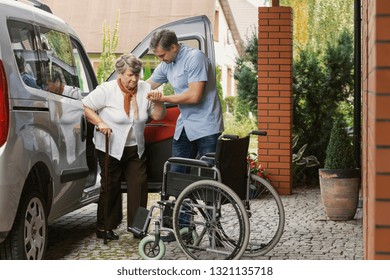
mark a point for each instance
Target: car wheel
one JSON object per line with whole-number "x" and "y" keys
{"x": 28, "y": 237}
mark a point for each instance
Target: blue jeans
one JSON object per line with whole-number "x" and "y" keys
{"x": 190, "y": 149}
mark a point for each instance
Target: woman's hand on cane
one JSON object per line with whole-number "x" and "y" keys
{"x": 104, "y": 128}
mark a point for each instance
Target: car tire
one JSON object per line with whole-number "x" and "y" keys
{"x": 28, "y": 237}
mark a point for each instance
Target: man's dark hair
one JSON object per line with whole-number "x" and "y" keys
{"x": 163, "y": 38}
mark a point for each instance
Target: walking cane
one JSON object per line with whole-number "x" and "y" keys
{"x": 105, "y": 212}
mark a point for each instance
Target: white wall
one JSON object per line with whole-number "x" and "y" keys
{"x": 225, "y": 54}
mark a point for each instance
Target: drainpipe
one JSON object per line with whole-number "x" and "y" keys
{"x": 357, "y": 84}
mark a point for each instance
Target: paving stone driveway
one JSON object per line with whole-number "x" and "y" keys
{"x": 308, "y": 235}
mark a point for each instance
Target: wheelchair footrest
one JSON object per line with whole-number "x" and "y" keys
{"x": 141, "y": 222}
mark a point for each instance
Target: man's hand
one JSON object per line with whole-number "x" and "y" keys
{"x": 155, "y": 95}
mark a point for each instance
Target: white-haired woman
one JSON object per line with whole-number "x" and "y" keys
{"x": 120, "y": 109}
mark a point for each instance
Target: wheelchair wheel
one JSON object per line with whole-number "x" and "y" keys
{"x": 218, "y": 217}
{"x": 149, "y": 250}
{"x": 266, "y": 217}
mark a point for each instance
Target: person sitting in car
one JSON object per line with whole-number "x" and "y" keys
{"x": 27, "y": 78}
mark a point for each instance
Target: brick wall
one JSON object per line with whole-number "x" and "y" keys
{"x": 376, "y": 127}
{"x": 275, "y": 94}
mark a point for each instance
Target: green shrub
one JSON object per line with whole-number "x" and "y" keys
{"x": 230, "y": 102}
{"x": 168, "y": 89}
{"x": 238, "y": 126}
{"x": 245, "y": 74}
{"x": 300, "y": 161}
{"x": 109, "y": 45}
{"x": 323, "y": 88}
{"x": 339, "y": 153}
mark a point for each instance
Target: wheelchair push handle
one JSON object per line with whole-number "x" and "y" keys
{"x": 229, "y": 136}
{"x": 258, "y": 132}
{"x": 234, "y": 137}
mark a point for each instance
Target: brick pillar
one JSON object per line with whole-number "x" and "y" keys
{"x": 375, "y": 129}
{"x": 275, "y": 94}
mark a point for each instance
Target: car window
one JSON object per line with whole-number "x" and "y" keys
{"x": 58, "y": 61}
{"x": 85, "y": 82}
{"x": 25, "y": 49}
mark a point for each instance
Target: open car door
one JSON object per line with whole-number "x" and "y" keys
{"x": 194, "y": 32}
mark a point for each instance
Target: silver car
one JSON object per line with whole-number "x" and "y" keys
{"x": 48, "y": 166}
{"x": 47, "y": 163}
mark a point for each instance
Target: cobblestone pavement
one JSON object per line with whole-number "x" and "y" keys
{"x": 308, "y": 235}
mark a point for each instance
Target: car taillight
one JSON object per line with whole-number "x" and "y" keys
{"x": 4, "y": 106}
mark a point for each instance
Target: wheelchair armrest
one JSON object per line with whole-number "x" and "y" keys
{"x": 189, "y": 161}
{"x": 208, "y": 159}
{"x": 210, "y": 155}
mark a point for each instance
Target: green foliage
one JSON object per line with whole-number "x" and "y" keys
{"x": 328, "y": 20}
{"x": 321, "y": 83}
{"x": 246, "y": 75}
{"x": 317, "y": 22}
{"x": 310, "y": 121}
{"x": 107, "y": 57}
{"x": 168, "y": 89}
{"x": 256, "y": 168}
{"x": 238, "y": 125}
{"x": 301, "y": 162}
{"x": 302, "y": 9}
{"x": 339, "y": 153}
{"x": 61, "y": 44}
{"x": 230, "y": 102}
{"x": 339, "y": 63}
{"x": 147, "y": 71}
{"x": 219, "y": 89}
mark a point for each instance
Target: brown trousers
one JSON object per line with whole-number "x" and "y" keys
{"x": 132, "y": 169}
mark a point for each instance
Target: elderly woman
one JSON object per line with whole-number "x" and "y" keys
{"x": 120, "y": 109}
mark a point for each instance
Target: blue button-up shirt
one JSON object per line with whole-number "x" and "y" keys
{"x": 201, "y": 119}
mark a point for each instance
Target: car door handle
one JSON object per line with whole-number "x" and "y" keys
{"x": 83, "y": 128}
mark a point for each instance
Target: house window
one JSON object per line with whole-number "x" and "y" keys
{"x": 229, "y": 82}
{"x": 216, "y": 26}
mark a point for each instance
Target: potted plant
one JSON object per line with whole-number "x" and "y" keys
{"x": 339, "y": 179}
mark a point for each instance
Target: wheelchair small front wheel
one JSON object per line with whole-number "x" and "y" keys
{"x": 148, "y": 249}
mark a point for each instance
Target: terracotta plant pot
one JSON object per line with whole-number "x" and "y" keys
{"x": 340, "y": 192}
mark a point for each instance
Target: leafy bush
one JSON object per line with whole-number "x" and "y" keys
{"x": 219, "y": 88}
{"x": 246, "y": 75}
{"x": 147, "y": 71}
{"x": 339, "y": 153}
{"x": 109, "y": 45}
{"x": 321, "y": 83}
{"x": 301, "y": 162}
{"x": 230, "y": 102}
{"x": 168, "y": 89}
{"x": 238, "y": 125}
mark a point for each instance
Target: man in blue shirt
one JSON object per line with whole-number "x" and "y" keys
{"x": 190, "y": 73}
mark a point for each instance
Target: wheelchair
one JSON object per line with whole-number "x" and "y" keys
{"x": 217, "y": 211}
